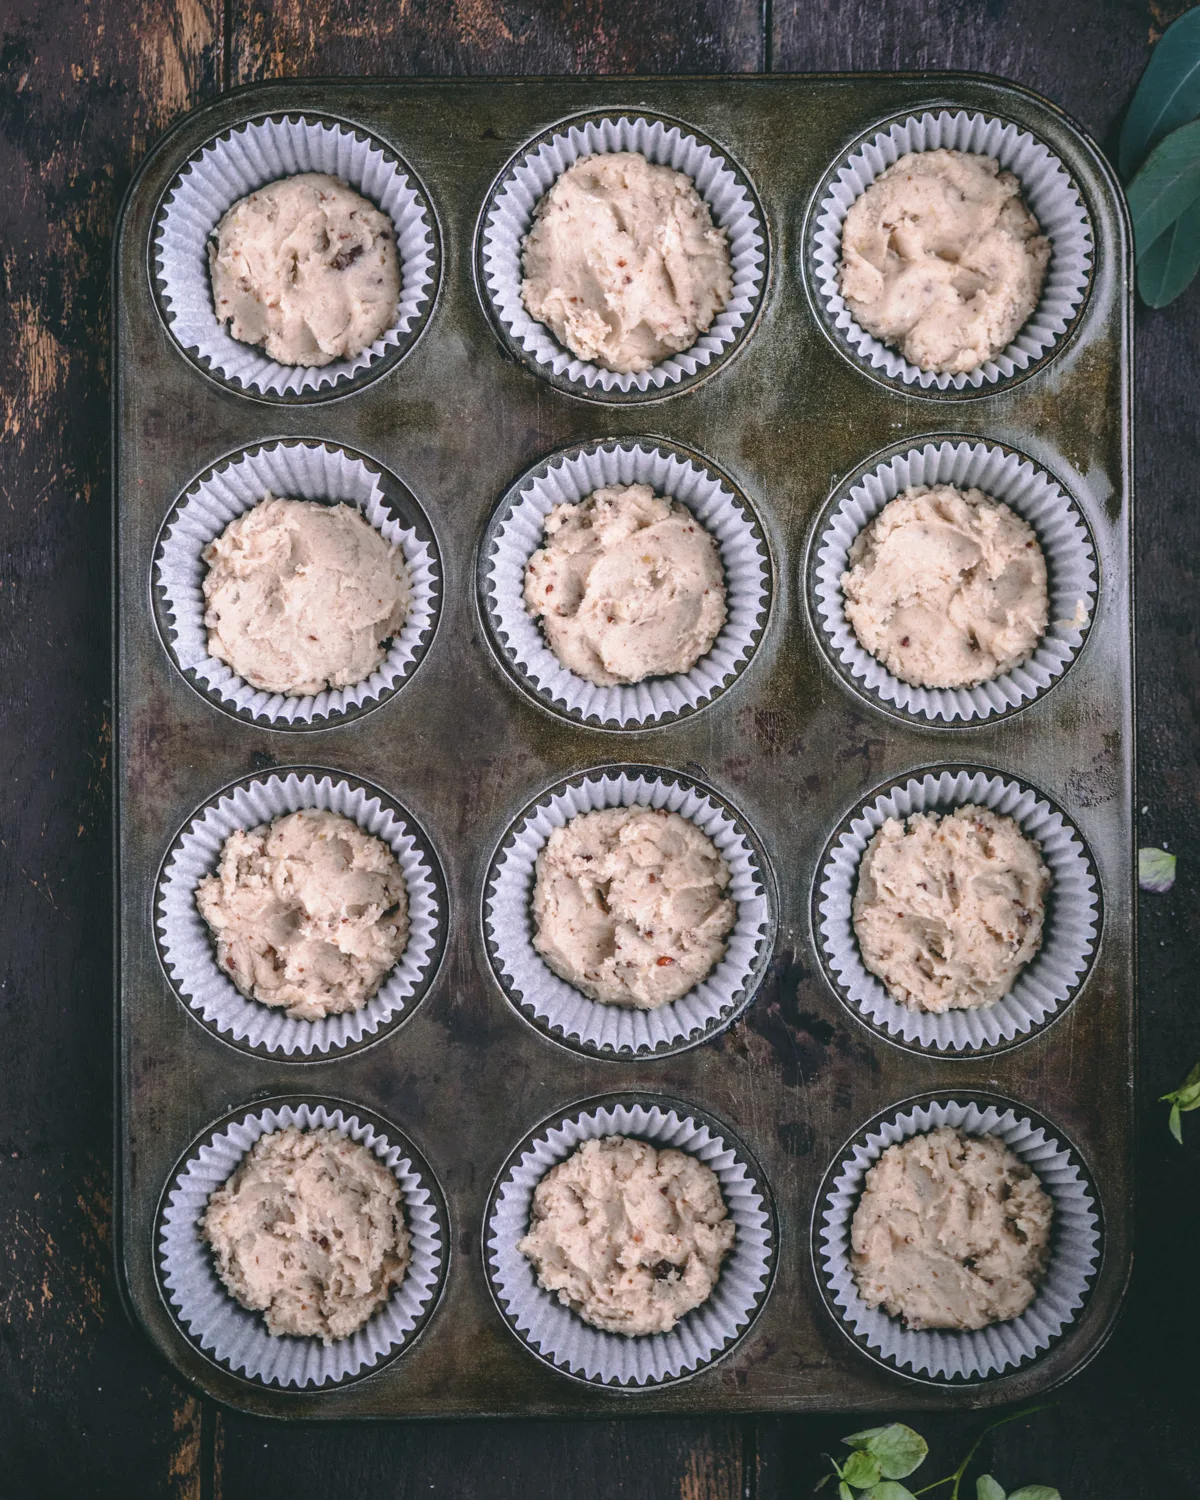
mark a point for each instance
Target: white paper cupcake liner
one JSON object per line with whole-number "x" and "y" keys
{"x": 1049, "y": 192}
{"x": 508, "y": 215}
{"x": 238, "y": 1339}
{"x": 188, "y": 951}
{"x": 234, "y": 165}
{"x": 293, "y": 470}
{"x": 558, "y": 1009}
{"x": 516, "y": 532}
{"x": 1004, "y": 475}
{"x": 1041, "y": 991}
{"x": 559, "y": 1336}
{"x": 947, "y": 1355}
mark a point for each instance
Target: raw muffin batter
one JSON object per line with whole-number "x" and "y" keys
{"x": 628, "y": 586}
{"x": 301, "y": 596}
{"x": 948, "y": 910}
{"x": 947, "y": 587}
{"x": 952, "y": 1231}
{"x": 942, "y": 259}
{"x": 309, "y": 913}
{"x": 631, "y": 1238}
{"x": 624, "y": 263}
{"x": 307, "y": 268}
{"x": 629, "y": 905}
{"x": 309, "y": 1231}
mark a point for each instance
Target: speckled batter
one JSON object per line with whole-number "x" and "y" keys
{"x": 629, "y": 905}
{"x": 309, "y": 1231}
{"x": 942, "y": 259}
{"x": 947, "y": 587}
{"x": 629, "y": 585}
{"x": 301, "y": 596}
{"x": 307, "y": 268}
{"x": 309, "y": 913}
{"x": 949, "y": 910}
{"x": 623, "y": 262}
{"x": 629, "y": 1237}
{"x": 952, "y": 1231}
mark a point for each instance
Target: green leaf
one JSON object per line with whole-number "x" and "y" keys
{"x": 1167, "y": 184}
{"x": 863, "y": 1439}
{"x": 986, "y": 1488}
{"x": 845, "y": 1492}
{"x": 1166, "y": 270}
{"x": 1156, "y": 868}
{"x": 890, "y": 1490}
{"x": 899, "y": 1449}
{"x": 862, "y": 1470}
{"x": 1183, "y": 1100}
{"x": 1188, "y": 1097}
{"x": 1169, "y": 93}
{"x": 1035, "y": 1492}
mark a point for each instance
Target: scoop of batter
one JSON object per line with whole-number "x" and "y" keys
{"x": 302, "y": 596}
{"x": 309, "y": 913}
{"x": 952, "y": 1231}
{"x": 628, "y": 586}
{"x": 624, "y": 263}
{"x": 949, "y": 910}
{"x": 309, "y": 1231}
{"x": 942, "y": 259}
{"x": 307, "y": 268}
{"x": 631, "y": 1238}
{"x": 629, "y": 905}
{"x": 947, "y": 587}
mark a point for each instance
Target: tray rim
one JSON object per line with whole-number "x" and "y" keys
{"x": 612, "y": 83}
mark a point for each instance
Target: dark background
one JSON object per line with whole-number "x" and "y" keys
{"x": 85, "y": 1408}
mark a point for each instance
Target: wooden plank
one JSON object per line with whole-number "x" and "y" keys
{"x": 284, "y": 38}
{"x": 649, "y": 1460}
{"x": 85, "y": 85}
{"x": 1085, "y": 57}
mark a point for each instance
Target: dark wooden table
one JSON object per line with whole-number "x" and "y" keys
{"x": 85, "y": 1408}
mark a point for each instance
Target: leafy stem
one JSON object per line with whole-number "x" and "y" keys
{"x": 883, "y": 1456}
{"x": 956, "y": 1478}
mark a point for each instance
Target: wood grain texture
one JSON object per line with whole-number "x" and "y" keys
{"x": 84, "y": 87}
{"x": 280, "y": 38}
{"x": 84, "y": 1409}
{"x": 646, "y": 1460}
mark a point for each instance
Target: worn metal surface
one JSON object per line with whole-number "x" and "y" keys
{"x": 793, "y": 747}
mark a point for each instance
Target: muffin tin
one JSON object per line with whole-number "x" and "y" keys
{"x": 464, "y": 752}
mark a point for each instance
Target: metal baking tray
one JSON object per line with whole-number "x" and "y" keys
{"x": 791, "y": 744}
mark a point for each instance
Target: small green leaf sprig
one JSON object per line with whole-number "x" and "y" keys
{"x": 1159, "y": 157}
{"x": 1156, "y": 872}
{"x": 1182, "y": 1101}
{"x": 882, "y": 1456}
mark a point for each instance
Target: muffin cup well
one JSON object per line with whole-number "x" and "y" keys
{"x": 508, "y": 216}
{"x": 294, "y": 470}
{"x": 557, "y": 1009}
{"x": 1047, "y": 189}
{"x": 1005, "y": 475}
{"x": 1041, "y": 991}
{"x": 950, "y": 1356}
{"x": 187, "y": 948}
{"x": 556, "y": 1334}
{"x": 237, "y": 1339}
{"x": 516, "y": 532}
{"x": 234, "y": 165}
